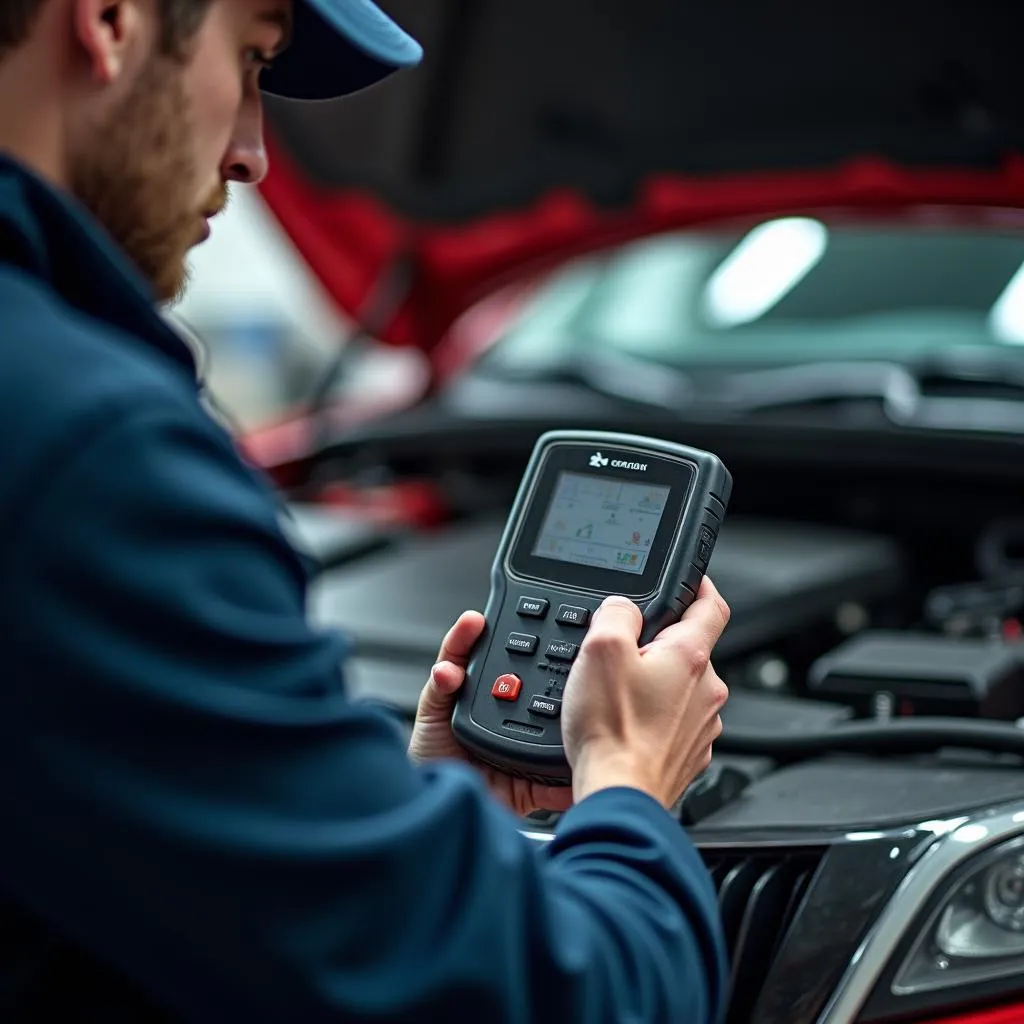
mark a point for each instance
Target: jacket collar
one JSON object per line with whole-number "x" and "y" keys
{"x": 47, "y": 234}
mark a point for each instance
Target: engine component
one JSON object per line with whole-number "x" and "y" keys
{"x": 886, "y": 674}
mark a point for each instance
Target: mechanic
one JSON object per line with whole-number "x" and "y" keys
{"x": 196, "y": 817}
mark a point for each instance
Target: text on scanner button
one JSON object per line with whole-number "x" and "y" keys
{"x": 521, "y": 643}
{"x": 561, "y": 650}
{"x": 571, "y": 615}
{"x": 549, "y": 707}
{"x": 532, "y": 607}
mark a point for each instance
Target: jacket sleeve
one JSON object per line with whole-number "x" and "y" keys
{"x": 198, "y": 803}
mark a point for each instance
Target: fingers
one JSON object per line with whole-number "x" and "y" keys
{"x": 706, "y": 743}
{"x": 711, "y": 691}
{"x": 695, "y": 635}
{"x": 551, "y": 798}
{"x": 717, "y": 693}
{"x": 448, "y": 674}
{"x": 617, "y": 622}
{"x": 710, "y": 606}
{"x": 460, "y": 639}
{"x": 525, "y": 797}
{"x": 711, "y": 731}
{"x": 447, "y": 677}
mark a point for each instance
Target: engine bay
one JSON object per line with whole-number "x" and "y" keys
{"x": 854, "y": 597}
{"x": 876, "y": 589}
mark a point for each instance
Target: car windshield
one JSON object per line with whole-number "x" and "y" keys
{"x": 785, "y": 291}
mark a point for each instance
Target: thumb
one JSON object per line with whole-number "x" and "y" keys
{"x": 617, "y": 616}
{"x": 446, "y": 678}
{"x": 438, "y": 695}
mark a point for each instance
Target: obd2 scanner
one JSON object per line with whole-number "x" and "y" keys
{"x": 596, "y": 514}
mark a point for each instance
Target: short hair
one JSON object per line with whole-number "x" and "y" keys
{"x": 180, "y": 20}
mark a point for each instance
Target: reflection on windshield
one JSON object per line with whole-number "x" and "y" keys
{"x": 790, "y": 289}
{"x": 762, "y": 270}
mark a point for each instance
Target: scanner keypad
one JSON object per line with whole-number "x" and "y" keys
{"x": 542, "y": 681}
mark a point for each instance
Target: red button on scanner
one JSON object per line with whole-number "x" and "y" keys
{"x": 506, "y": 687}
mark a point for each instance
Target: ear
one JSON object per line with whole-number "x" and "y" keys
{"x": 110, "y": 33}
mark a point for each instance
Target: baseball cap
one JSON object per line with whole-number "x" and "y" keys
{"x": 338, "y": 47}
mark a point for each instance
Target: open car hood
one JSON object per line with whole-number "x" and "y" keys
{"x": 536, "y": 130}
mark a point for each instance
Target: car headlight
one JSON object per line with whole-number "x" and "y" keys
{"x": 976, "y": 933}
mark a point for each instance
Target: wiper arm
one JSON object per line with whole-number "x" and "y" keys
{"x": 617, "y": 376}
{"x": 986, "y": 397}
{"x": 811, "y": 383}
{"x": 989, "y": 400}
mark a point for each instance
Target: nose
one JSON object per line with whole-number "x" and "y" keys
{"x": 246, "y": 158}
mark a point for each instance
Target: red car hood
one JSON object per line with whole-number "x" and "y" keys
{"x": 539, "y": 129}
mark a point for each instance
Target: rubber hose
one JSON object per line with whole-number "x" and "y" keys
{"x": 899, "y": 736}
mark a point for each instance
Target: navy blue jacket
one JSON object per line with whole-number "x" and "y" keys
{"x": 194, "y": 814}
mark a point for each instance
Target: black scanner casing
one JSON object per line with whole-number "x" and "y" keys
{"x": 508, "y": 736}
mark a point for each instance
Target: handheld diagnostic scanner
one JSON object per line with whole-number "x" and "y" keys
{"x": 596, "y": 514}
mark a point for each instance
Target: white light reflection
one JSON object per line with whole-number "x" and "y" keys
{"x": 1006, "y": 318}
{"x": 970, "y": 834}
{"x": 894, "y": 853}
{"x": 537, "y": 837}
{"x": 942, "y": 827}
{"x": 769, "y": 262}
{"x": 860, "y": 837}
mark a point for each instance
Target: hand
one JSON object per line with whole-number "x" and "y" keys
{"x": 432, "y": 737}
{"x": 645, "y": 718}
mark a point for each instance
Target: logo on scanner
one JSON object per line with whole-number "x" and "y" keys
{"x": 597, "y": 460}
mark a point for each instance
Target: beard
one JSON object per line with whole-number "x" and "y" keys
{"x": 135, "y": 173}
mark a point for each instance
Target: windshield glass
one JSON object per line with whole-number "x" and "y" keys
{"x": 785, "y": 291}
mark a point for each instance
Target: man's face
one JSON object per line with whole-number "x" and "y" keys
{"x": 156, "y": 165}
